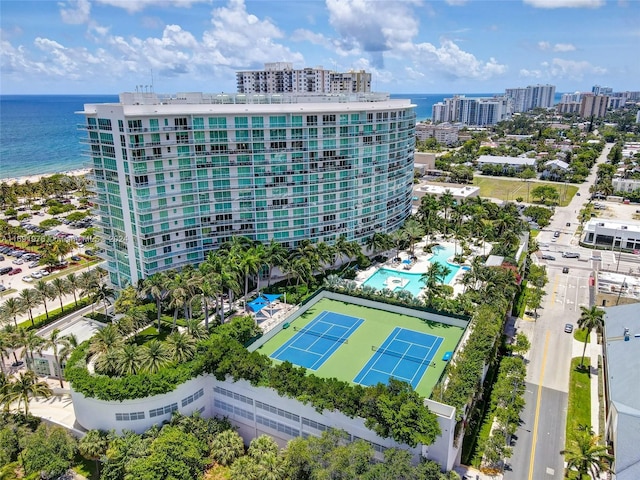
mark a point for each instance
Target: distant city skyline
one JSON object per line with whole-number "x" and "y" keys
{"x": 411, "y": 46}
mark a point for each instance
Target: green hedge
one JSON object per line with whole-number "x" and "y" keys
{"x": 394, "y": 411}
{"x": 56, "y": 314}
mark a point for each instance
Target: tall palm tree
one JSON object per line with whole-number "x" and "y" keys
{"x": 154, "y": 356}
{"x": 275, "y": 255}
{"x": 31, "y": 341}
{"x": 156, "y": 286}
{"x": 433, "y": 279}
{"x": 103, "y": 294}
{"x": 414, "y": 231}
{"x": 30, "y": 299}
{"x": 177, "y": 295}
{"x": 590, "y": 318}
{"x": 25, "y": 387}
{"x": 249, "y": 264}
{"x": 12, "y": 307}
{"x": 59, "y": 286}
{"x": 73, "y": 281}
{"x": 196, "y": 329}
{"x": 46, "y": 293}
{"x": 586, "y": 455}
{"x": 5, "y": 348}
{"x": 54, "y": 341}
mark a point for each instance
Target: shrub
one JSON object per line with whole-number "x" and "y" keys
{"x": 50, "y": 223}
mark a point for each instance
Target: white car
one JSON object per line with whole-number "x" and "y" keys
{"x": 27, "y": 278}
{"x": 18, "y": 261}
{"x": 36, "y": 275}
{"x": 43, "y": 272}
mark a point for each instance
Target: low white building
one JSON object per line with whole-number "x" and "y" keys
{"x": 459, "y": 192}
{"x": 625, "y": 184}
{"x": 612, "y": 234}
{"x": 44, "y": 362}
{"x": 515, "y": 162}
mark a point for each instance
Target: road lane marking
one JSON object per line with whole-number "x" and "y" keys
{"x": 555, "y": 286}
{"x": 537, "y": 414}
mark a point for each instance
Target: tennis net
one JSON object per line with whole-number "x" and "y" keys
{"x": 399, "y": 355}
{"x": 321, "y": 335}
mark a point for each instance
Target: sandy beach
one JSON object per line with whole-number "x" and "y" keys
{"x": 35, "y": 178}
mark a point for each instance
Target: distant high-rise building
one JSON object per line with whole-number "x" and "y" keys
{"x": 594, "y": 105}
{"x": 471, "y": 110}
{"x": 533, "y": 96}
{"x": 281, "y": 77}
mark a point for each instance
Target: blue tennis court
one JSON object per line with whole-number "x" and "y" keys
{"x": 405, "y": 355}
{"x": 317, "y": 341}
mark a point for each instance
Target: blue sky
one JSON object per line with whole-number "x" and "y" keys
{"x": 409, "y": 46}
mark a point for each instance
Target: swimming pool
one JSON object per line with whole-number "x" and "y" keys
{"x": 396, "y": 280}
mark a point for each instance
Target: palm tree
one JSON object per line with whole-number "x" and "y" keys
{"x": 59, "y": 286}
{"x": 181, "y": 346}
{"x": 154, "y": 356}
{"x": 156, "y": 286}
{"x": 433, "y": 279}
{"x": 226, "y": 447}
{"x": 5, "y": 348}
{"x": 249, "y": 264}
{"x": 590, "y": 318}
{"x": 53, "y": 342}
{"x": 12, "y": 307}
{"x": 177, "y": 295}
{"x": 275, "y": 255}
{"x": 196, "y": 329}
{"x": 102, "y": 294}
{"x": 93, "y": 446}
{"x": 46, "y": 293}
{"x": 31, "y": 341}
{"x": 130, "y": 358}
{"x": 30, "y": 299}
{"x": 586, "y": 455}
{"x": 74, "y": 283}
{"x": 413, "y": 231}
{"x": 105, "y": 340}
{"x": 24, "y": 387}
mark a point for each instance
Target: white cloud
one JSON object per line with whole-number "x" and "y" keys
{"x": 456, "y": 3}
{"x": 563, "y": 47}
{"x": 393, "y": 25}
{"x": 75, "y": 12}
{"x": 530, "y": 73}
{"x": 565, "y": 3}
{"x": 558, "y": 47}
{"x": 572, "y": 69}
{"x": 453, "y": 62}
{"x": 134, "y": 6}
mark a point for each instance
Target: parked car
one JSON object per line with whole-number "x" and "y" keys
{"x": 568, "y": 328}
{"x": 565, "y": 270}
{"x": 556, "y": 234}
{"x": 2, "y": 288}
{"x": 15, "y": 271}
{"x": 570, "y": 255}
{"x": 27, "y": 278}
{"x": 548, "y": 257}
{"x": 91, "y": 253}
{"x": 76, "y": 258}
{"x": 5, "y": 270}
{"x": 1, "y": 258}
{"x": 18, "y": 261}
{"x": 568, "y": 224}
{"x": 34, "y": 264}
{"x": 36, "y": 275}
{"x": 44, "y": 272}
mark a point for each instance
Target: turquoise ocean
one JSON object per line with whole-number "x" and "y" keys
{"x": 39, "y": 133}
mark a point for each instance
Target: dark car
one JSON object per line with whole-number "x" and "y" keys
{"x": 556, "y": 234}
{"x": 5, "y": 270}
{"x": 89, "y": 252}
{"x": 548, "y": 257}
{"x": 76, "y": 258}
{"x": 565, "y": 270}
{"x": 568, "y": 328}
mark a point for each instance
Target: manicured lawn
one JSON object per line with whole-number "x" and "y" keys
{"x": 7, "y": 292}
{"x": 349, "y": 359}
{"x": 510, "y": 189}
{"x": 579, "y": 402}
{"x": 151, "y": 333}
{"x": 580, "y": 334}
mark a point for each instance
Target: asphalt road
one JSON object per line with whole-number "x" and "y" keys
{"x": 541, "y": 435}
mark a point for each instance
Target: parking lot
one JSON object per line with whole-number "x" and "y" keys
{"x": 23, "y": 263}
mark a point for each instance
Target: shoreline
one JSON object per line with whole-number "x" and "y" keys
{"x": 35, "y": 178}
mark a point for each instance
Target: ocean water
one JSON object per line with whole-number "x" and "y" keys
{"x": 39, "y": 133}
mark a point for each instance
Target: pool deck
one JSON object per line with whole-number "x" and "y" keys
{"x": 419, "y": 266}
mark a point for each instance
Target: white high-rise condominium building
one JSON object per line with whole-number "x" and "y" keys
{"x": 176, "y": 176}
{"x": 533, "y": 96}
{"x": 281, "y": 77}
{"x": 471, "y": 111}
